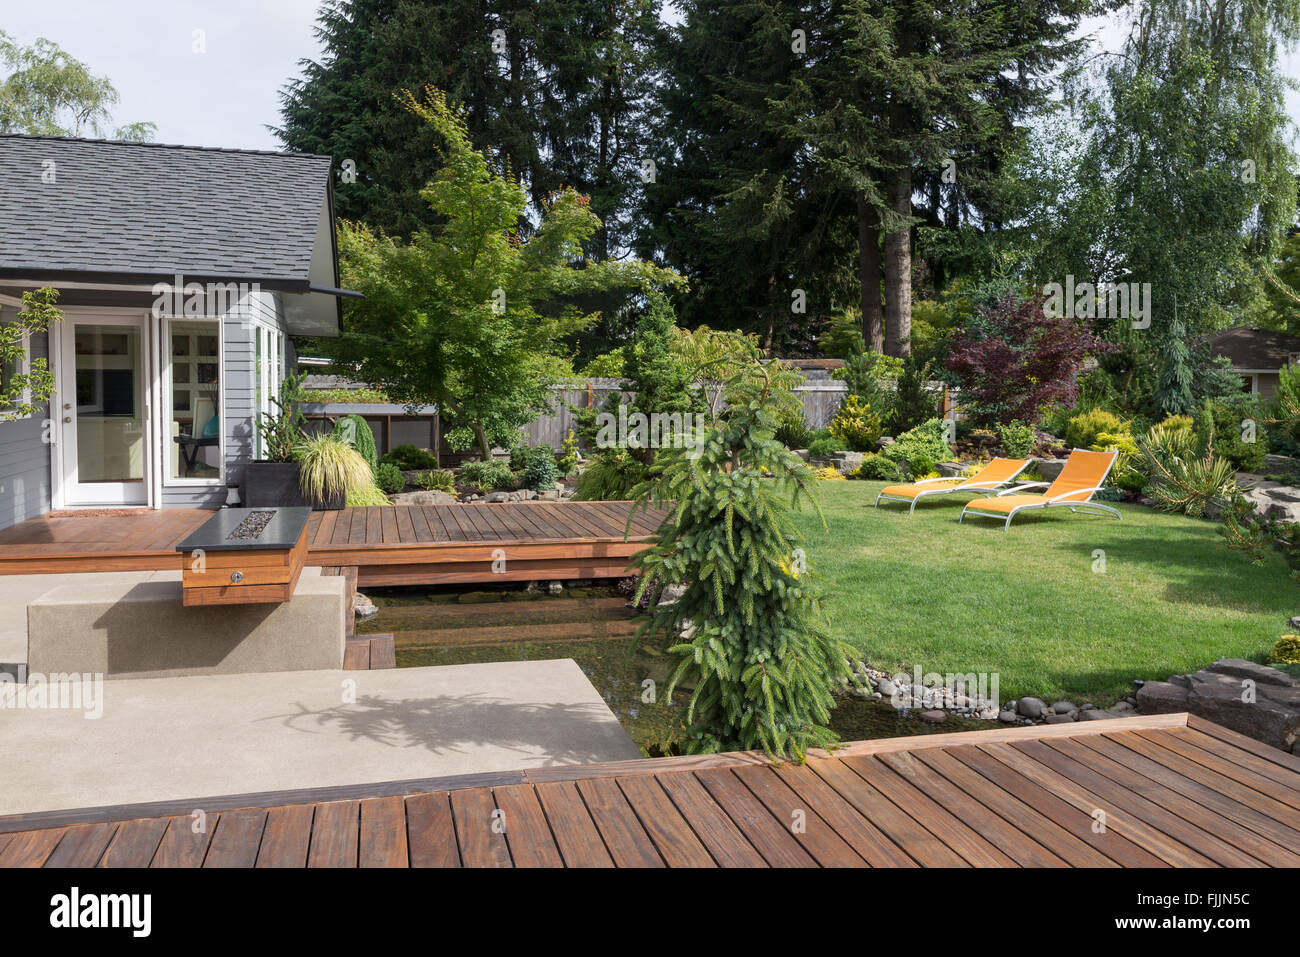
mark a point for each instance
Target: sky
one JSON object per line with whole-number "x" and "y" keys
{"x": 228, "y": 94}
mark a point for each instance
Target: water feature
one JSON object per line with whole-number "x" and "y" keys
{"x": 594, "y": 626}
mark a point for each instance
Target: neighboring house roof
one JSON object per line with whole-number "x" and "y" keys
{"x": 98, "y": 211}
{"x": 1251, "y": 348}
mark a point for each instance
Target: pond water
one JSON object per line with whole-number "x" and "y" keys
{"x": 593, "y": 626}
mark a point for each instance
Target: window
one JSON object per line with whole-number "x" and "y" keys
{"x": 193, "y": 443}
{"x": 12, "y": 368}
{"x": 267, "y": 375}
{"x": 413, "y": 431}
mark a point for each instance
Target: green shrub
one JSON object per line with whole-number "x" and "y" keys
{"x": 330, "y": 469}
{"x": 878, "y": 468}
{"x": 1286, "y": 651}
{"x": 856, "y": 424}
{"x": 921, "y": 465}
{"x": 367, "y": 495}
{"x": 824, "y": 446}
{"x": 541, "y": 473}
{"x": 486, "y": 476}
{"x": 389, "y": 478}
{"x": 567, "y": 460}
{"x": 409, "y": 459}
{"x": 1082, "y": 431}
{"x": 609, "y": 478}
{"x": 928, "y": 438}
{"x": 1229, "y": 440}
{"x": 794, "y": 433}
{"x": 459, "y": 439}
{"x": 518, "y": 458}
{"x": 1185, "y": 474}
{"x": 355, "y": 431}
{"x": 1017, "y": 439}
{"x": 437, "y": 480}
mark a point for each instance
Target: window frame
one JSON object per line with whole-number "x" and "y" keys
{"x": 168, "y": 412}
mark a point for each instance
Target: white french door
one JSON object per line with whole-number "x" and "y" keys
{"x": 103, "y": 410}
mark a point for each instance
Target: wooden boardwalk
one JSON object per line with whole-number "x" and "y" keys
{"x": 395, "y": 545}
{"x": 1162, "y": 791}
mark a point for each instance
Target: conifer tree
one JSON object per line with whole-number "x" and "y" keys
{"x": 749, "y": 632}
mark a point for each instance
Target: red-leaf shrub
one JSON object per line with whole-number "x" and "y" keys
{"x": 1014, "y": 360}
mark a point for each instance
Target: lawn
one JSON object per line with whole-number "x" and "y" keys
{"x": 1027, "y": 604}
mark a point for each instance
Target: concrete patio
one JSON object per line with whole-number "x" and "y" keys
{"x": 172, "y": 738}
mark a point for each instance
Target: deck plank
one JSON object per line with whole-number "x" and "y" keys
{"x": 83, "y": 846}
{"x": 771, "y": 837}
{"x": 431, "y": 836}
{"x": 135, "y": 843}
{"x": 626, "y": 839}
{"x": 237, "y": 837}
{"x": 670, "y": 833}
{"x": 287, "y": 837}
{"x": 725, "y": 842}
{"x": 479, "y": 829}
{"x": 1056, "y": 824}
{"x": 923, "y": 846}
{"x": 182, "y": 845}
{"x": 575, "y": 832}
{"x": 334, "y": 835}
{"x": 383, "y": 833}
{"x": 528, "y": 834}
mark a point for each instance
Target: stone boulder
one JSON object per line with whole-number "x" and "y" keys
{"x": 425, "y": 497}
{"x": 950, "y": 469}
{"x": 1255, "y": 700}
{"x": 1049, "y": 469}
{"x": 847, "y": 462}
{"x": 1274, "y": 500}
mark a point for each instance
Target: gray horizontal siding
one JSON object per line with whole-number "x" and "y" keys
{"x": 24, "y": 454}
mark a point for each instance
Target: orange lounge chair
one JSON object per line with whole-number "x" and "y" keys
{"x": 988, "y": 479}
{"x": 1083, "y": 475}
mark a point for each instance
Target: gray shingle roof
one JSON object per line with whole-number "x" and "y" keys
{"x": 1250, "y": 347}
{"x": 143, "y": 209}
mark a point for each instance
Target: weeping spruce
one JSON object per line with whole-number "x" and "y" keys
{"x": 749, "y": 631}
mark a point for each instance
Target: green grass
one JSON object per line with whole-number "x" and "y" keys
{"x": 1027, "y": 605}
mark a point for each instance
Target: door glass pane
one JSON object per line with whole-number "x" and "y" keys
{"x": 193, "y": 428}
{"x": 110, "y": 404}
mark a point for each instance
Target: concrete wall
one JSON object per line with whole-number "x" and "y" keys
{"x": 141, "y": 630}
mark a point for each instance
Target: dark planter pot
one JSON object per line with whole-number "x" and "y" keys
{"x": 272, "y": 485}
{"x": 337, "y": 502}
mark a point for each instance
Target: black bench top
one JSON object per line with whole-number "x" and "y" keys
{"x": 280, "y": 532}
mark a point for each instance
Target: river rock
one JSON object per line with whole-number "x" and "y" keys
{"x": 363, "y": 607}
{"x": 1031, "y": 707}
{"x": 934, "y": 717}
{"x": 1064, "y": 707}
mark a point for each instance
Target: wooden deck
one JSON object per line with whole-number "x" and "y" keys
{"x": 396, "y": 545}
{"x": 1163, "y": 791}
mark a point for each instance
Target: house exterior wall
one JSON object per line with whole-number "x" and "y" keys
{"x": 24, "y": 453}
{"x": 1267, "y": 384}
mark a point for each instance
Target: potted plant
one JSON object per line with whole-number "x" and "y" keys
{"x": 273, "y": 481}
{"x": 331, "y": 469}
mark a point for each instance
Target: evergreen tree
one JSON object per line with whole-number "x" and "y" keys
{"x": 748, "y": 630}
{"x": 552, "y": 92}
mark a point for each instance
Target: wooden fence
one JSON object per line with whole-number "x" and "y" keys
{"x": 821, "y": 398}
